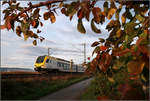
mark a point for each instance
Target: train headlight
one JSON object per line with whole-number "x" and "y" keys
{"x": 43, "y": 66}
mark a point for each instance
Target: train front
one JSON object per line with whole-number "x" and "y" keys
{"x": 40, "y": 63}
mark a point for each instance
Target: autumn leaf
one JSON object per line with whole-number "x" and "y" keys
{"x": 101, "y": 40}
{"x": 46, "y": 15}
{"x": 94, "y": 27}
{"x": 96, "y": 50}
{"x": 80, "y": 14}
{"x": 123, "y": 18}
{"x": 18, "y": 31}
{"x": 52, "y": 17}
{"x": 105, "y": 8}
{"x": 34, "y": 43}
{"x": 8, "y": 22}
{"x": 135, "y": 67}
{"x": 96, "y": 13}
{"x": 33, "y": 23}
{"x": 118, "y": 34}
{"x": 80, "y": 26}
{"x": 111, "y": 12}
{"x": 103, "y": 48}
{"x": 26, "y": 36}
{"x": 63, "y": 11}
{"x": 87, "y": 15}
{"x": 2, "y": 26}
{"x": 36, "y": 13}
{"x": 41, "y": 24}
{"x": 95, "y": 44}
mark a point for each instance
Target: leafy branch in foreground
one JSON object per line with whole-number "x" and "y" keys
{"x": 119, "y": 50}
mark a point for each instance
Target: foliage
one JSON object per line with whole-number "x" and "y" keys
{"x": 115, "y": 52}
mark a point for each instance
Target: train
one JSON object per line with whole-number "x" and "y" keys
{"x": 50, "y": 63}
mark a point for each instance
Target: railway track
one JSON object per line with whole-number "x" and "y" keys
{"x": 36, "y": 74}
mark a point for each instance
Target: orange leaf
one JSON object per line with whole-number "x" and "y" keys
{"x": 2, "y": 26}
{"x": 33, "y": 23}
{"x": 52, "y": 17}
{"x": 111, "y": 12}
{"x": 103, "y": 48}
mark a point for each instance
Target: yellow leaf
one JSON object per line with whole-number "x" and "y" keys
{"x": 118, "y": 34}
{"x": 52, "y": 17}
{"x": 123, "y": 18}
{"x": 111, "y": 12}
{"x": 25, "y": 36}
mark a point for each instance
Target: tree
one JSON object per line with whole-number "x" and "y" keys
{"x": 117, "y": 51}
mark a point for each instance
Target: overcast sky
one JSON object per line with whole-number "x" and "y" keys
{"x": 62, "y": 37}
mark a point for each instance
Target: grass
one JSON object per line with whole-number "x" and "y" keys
{"x": 89, "y": 93}
{"x": 35, "y": 88}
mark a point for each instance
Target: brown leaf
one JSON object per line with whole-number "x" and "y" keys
{"x": 136, "y": 67}
{"x": 52, "y": 17}
{"x": 96, "y": 13}
{"x": 94, "y": 28}
{"x": 46, "y": 15}
{"x": 95, "y": 44}
{"x": 34, "y": 42}
{"x": 80, "y": 26}
{"x": 18, "y": 31}
{"x": 41, "y": 24}
{"x": 80, "y": 14}
{"x": 63, "y": 11}
{"x": 71, "y": 18}
{"x": 8, "y": 22}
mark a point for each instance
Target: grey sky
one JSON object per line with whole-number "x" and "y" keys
{"x": 62, "y": 37}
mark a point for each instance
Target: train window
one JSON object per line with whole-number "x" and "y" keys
{"x": 40, "y": 59}
{"x": 47, "y": 60}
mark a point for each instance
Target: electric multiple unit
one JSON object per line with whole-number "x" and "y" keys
{"x": 49, "y": 63}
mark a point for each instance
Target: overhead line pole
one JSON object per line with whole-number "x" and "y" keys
{"x": 84, "y": 52}
{"x": 48, "y": 51}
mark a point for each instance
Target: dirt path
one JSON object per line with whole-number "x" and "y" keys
{"x": 70, "y": 93}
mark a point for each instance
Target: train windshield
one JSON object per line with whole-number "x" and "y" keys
{"x": 40, "y": 59}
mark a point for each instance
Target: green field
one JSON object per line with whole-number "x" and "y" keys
{"x": 32, "y": 89}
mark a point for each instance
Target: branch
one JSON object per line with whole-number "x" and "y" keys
{"x": 37, "y": 5}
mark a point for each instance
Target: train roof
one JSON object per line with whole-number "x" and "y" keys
{"x": 63, "y": 60}
{"x": 58, "y": 59}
